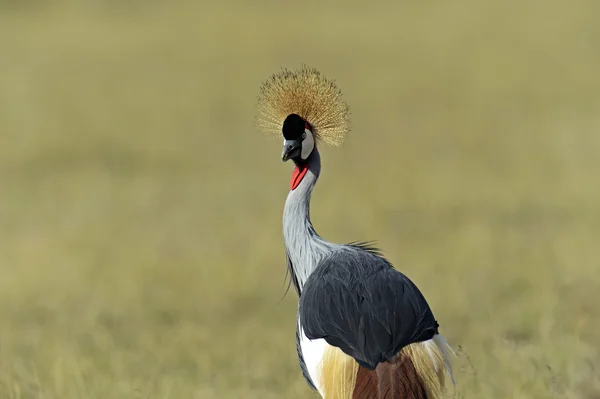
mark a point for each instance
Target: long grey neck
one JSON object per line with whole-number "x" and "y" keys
{"x": 305, "y": 248}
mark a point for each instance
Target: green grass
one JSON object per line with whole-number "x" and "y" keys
{"x": 141, "y": 253}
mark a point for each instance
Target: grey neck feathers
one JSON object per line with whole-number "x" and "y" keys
{"x": 304, "y": 246}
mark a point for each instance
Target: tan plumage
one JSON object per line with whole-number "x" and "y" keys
{"x": 305, "y": 92}
{"x": 429, "y": 360}
{"x": 338, "y": 371}
{"x": 417, "y": 372}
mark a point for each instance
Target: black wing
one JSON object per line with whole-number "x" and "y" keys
{"x": 359, "y": 303}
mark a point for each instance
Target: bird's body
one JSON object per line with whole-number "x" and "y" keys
{"x": 353, "y": 304}
{"x": 364, "y": 330}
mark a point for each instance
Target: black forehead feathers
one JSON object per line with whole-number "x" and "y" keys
{"x": 293, "y": 127}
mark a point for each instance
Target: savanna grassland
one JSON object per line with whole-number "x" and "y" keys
{"x": 140, "y": 245}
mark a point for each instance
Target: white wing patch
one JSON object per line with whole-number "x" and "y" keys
{"x": 312, "y": 352}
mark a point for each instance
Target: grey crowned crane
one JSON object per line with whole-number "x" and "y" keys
{"x": 364, "y": 329}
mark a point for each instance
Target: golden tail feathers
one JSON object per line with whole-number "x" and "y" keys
{"x": 338, "y": 373}
{"x": 431, "y": 359}
{"x": 417, "y": 372}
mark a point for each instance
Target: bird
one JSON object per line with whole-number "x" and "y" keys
{"x": 364, "y": 330}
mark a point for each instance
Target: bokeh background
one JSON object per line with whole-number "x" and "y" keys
{"x": 141, "y": 253}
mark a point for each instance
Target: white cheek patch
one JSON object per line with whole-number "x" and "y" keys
{"x": 308, "y": 144}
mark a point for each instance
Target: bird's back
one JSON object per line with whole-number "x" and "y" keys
{"x": 359, "y": 303}
{"x": 361, "y": 306}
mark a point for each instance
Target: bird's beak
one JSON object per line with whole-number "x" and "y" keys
{"x": 291, "y": 149}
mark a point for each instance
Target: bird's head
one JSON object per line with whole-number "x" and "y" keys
{"x": 311, "y": 108}
{"x": 298, "y": 139}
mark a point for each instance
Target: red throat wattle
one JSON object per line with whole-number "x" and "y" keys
{"x": 298, "y": 175}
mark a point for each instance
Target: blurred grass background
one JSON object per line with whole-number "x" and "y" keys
{"x": 141, "y": 253}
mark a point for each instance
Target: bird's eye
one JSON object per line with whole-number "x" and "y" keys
{"x": 303, "y": 135}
